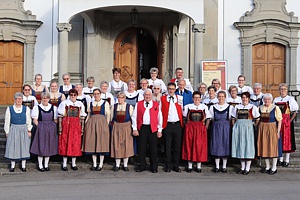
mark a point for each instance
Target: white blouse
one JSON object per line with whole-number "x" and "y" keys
{"x": 35, "y": 110}
{"x": 62, "y": 111}
{"x": 30, "y": 98}
{"x": 17, "y": 110}
{"x": 236, "y": 100}
{"x": 220, "y": 108}
{"x": 117, "y": 85}
{"x": 194, "y": 107}
{"x": 292, "y": 103}
{"x": 208, "y": 100}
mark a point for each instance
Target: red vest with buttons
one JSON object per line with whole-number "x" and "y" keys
{"x": 153, "y": 115}
{"x": 165, "y": 110}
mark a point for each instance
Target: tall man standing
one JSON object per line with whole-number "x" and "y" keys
{"x": 147, "y": 124}
{"x": 172, "y": 127}
{"x": 179, "y": 75}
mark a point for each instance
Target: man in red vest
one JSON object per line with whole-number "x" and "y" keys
{"x": 172, "y": 127}
{"x": 179, "y": 75}
{"x": 147, "y": 124}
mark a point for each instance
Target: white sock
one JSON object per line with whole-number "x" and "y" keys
{"x": 94, "y": 158}
{"x": 65, "y": 160}
{"x": 40, "y": 160}
{"x": 287, "y": 157}
{"x": 101, "y": 161}
{"x": 190, "y": 165}
{"x": 267, "y": 163}
{"x": 274, "y": 164}
{"x": 73, "y": 161}
{"x": 248, "y": 165}
{"x": 281, "y": 159}
{"x": 224, "y": 163}
{"x": 198, "y": 165}
{"x": 243, "y": 164}
{"x": 217, "y": 161}
{"x": 12, "y": 164}
{"x": 47, "y": 162}
{"x": 118, "y": 161}
{"x": 125, "y": 160}
{"x": 23, "y": 163}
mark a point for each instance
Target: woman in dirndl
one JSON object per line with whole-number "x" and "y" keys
{"x": 289, "y": 108}
{"x": 121, "y": 137}
{"x": 220, "y": 131}
{"x": 269, "y": 133}
{"x": 96, "y": 136}
{"x": 55, "y": 96}
{"x": 17, "y": 127}
{"x": 194, "y": 146}
{"x": 38, "y": 88}
{"x": 243, "y": 139}
{"x": 45, "y": 142}
{"x": 71, "y": 127}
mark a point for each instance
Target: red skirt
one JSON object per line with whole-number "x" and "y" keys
{"x": 194, "y": 147}
{"x": 286, "y": 134}
{"x": 69, "y": 142}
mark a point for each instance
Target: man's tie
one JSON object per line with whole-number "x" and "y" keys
{"x": 147, "y": 103}
{"x": 171, "y": 97}
{"x": 181, "y": 92}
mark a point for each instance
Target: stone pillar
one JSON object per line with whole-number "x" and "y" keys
{"x": 64, "y": 29}
{"x": 198, "y": 29}
{"x": 293, "y": 68}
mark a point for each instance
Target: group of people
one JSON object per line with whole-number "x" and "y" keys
{"x": 118, "y": 121}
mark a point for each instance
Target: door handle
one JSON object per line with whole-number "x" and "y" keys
{"x": 10, "y": 84}
{"x": 5, "y": 83}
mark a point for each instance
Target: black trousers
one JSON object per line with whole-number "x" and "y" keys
{"x": 147, "y": 137}
{"x": 173, "y": 140}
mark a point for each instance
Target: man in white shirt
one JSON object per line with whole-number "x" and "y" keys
{"x": 179, "y": 75}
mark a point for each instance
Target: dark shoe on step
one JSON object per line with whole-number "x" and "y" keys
{"x": 273, "y": 172}
{"x": 189, "y": 170}
{"x": 115, "y": 169}
{"x": 47, "y": 169}
{"x": 74, "y": 168}
{"x": 93, "y": 168}
{"x": 216, "y": 170}
{"x": 64, "y": 168}
{"x": 23, "y": 169}
{"x": 41, "y": 169}
{"x": 176, "y": 169}
{"x": 266, "y": 171}
{"x": 286, "y": 164}
{"x": 167, "y": 169}
{"x": 198, "y": 170}
{"x": 98, "y": 168}
{"x": 11, "y": 169}
{"x": 154, "y": 171}
{"x": 279, "y": 163}
{"x": 126, "y": 169}
{"x": 224, "y": 170}
{"x": 246, "y": 172}
{"x": 241, "y": 171}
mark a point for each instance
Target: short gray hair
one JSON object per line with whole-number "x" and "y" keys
{"x": 38, "y": 75}
{"x": 122, "y": 94}
{"x": 268, "y": 95}
{"x": 143, "y": 79}
{"x": 131, "y": 80}
{"x": 199, "y": 85}
{"x": 153, "y": 69}
{"x": 283, "y": 85}
{"x": 18, "y": 94}
{"x": 104, "y": 82}
{"x": 91, "y": 78}
{"x": 257, "y": 85}
{"x": 66, "y": 74}
{"x": 45, "y": 94}
{"x": 79, "y": 84}
{"x": 147, "y": 90}
{"x": 181, "y": 80}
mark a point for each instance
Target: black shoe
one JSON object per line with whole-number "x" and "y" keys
{"x": 11, "y": 169}
{"x": 266, "y": 171}
{"x": 47, "y": 169}
{"x": 140, "y": 169}
{"x": 75, "y": 168}
{"x": 125, "y": 169}
{"x": 115, "y": 168}
{"x": 23, "y": 169}
{"x": 286, "y": 164}
{"x": 167, "y": 169}
{"x": 64, "y": 168}
{"x": 273, "y": 172}
{"x": 41, "y": 169}
{"x": 246, "y": 172}
{"x": 98, "y": 168}
{"x": 154, "y": 171}
{"x": 279, "y": 163}
{"x": 176, "y": 169}
{"x": 224, "y": 170}
{"x": 198, "y": 170}
{"x": 241, "y": 171}
{"x": 93, "y": 168}
{"x": 188, "y": 170}
{"x": 216, "y": 170}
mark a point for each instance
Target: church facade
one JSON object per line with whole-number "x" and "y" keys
{"x": 257, "y": 38}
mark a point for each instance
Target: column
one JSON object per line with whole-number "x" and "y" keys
{"x": 198, "y": 29}
{"x": 64, "y": 29}
{"x": 293, "y": 68}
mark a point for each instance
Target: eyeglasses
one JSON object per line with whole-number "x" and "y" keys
{"x": 66, "y": 79}
{"x": 156, "y": 88}
{"x": 26, "y": 89}
{"x": 45, "y": 98}
{"x": 73, "y": 95}
{"x": 171, "y": 88}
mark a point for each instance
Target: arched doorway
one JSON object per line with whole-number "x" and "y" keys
{"x": 11, "y": 70}
{"x": 268, "y": 66}
{"x": 135, "y": 52}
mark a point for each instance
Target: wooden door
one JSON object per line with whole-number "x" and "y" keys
{"x": 11, "y": 71}
{"x": 126, "y": 54}
{"x": 268, "y": 66}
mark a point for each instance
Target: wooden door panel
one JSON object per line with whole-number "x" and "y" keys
{"x": 11, "y": 70}
{"x": 126, "y": 54}
{"x": 259, "y": 54}
{"x": 268, "y": 66}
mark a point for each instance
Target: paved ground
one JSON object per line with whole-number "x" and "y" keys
{"x": 107, "y": 184}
